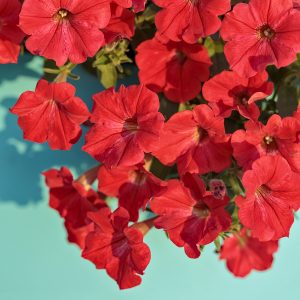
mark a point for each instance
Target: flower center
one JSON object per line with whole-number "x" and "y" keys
{"x": 62, "y": 14}
{"x": 268, "y": 140}
{"x": 243, "y": 100}
{"x": 269, "y": 143}
{"x": 181, "y": 57}
{"x": 201, "y": 211}
{"x": 240, "y": 95}
{"x": 200, "y": 135}
{"x": 131, "y": 125}
{"x": 265, "y": 32}
{"x": 262, "y": 192}
{"x": 137, "y": 177}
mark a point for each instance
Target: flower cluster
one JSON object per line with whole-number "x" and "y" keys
{"x": 206, "y": 147}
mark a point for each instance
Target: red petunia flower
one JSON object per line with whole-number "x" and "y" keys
{"x": 244, "y": 253}
{"x": 138, "y": 5}
{"x": 189, "y": 20}
{"x": 196, "y": 140}
{"x": 62, "y": 30}
{"x": 190, "y": 215}
{"x": 73, "y": 200}
{"x": 134, "y": 186}
{"x": 166, "y": 67}
{"x": 10, "y": 34}
{"x": 261, "y": 33}
{"x": 228, "y": 91}
{"x": 278, "y": 137}
{"x": 52, "y": 113}
{"x": 272, "y": 192}
{"x": 118, "y": 248}
{"x": 121, "y": 24}
{"x": 127, "y": 124}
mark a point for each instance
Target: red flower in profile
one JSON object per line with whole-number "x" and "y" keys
{"x": 10, "y": 34}
{"x": 121, "y": 24}
{"x": 261, "y": 33}
{"x": 190, "y": 215}
{"x": 134, "y": 186}
{"x": 189, "y": 20}
{"x": 228, "y": 91}
{"x": 138, "y": 5}
{"x": 272, "y": 192}
{"x": 244, "y": 253}
{"x": 73, "y": 199}
{"x": 127, "y": 124}
{"x": 62, "y": 30}
{"x": 166, "y": 67}
{"x": 278, "y": 137}
{"x": 52, "y": 113}
{"x": 196, "y": 141}
{"x": 118, "y": 248}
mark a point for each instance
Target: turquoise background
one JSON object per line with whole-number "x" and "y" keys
{"x": 36, "y": 262}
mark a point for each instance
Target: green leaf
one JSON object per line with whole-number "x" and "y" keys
{"x": 108, "y": 75}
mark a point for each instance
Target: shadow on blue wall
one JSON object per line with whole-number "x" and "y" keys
{"x": 22, "y": 162}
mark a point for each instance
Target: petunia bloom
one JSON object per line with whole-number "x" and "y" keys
{"x": 10, "y": 34}
{"x": 190, "y": 215}
{"x": 118, "y": 248}
{"x": 167, "y": 67}
{"x": 261, "y": 33}
{"x": 189, "y": 20}
{"x": 72, "y": 199}
{"x": 134, "y": 186}
{"x": 272, "y": 192}
{"x": 52, "y": 113}
{"x": 126, "y": 125}
{"x": 277, "y": 137}
{"x": 196, "y": 141}
{"x": 243, "y": 253}
{"x": 62, "y": 30}
{"x": 228, "y": 91}
{"x": 121, "y": 24}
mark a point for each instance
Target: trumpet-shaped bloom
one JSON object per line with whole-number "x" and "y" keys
{"x": 277, "y": 137}
{"x": 261, "y": 33}
{"x": 190, "y": 215}
{"x": 167, "y": 68}
{"x": 126, "y": 125}
{"x": 121, "y": 24}
{"x": 134, "y": 187}
{"x": 52, "y": 113}
{"x": 189, "y": 20}
{"x": 196, "y": 141}
{"x": 228, "y": 91}
{"x": 72, "y": 200}
{"x": 117, "y": 248}
{"x": 272, "y": 192}
{"x": 64, "y": 30}
{"x": 244, "y": 253}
